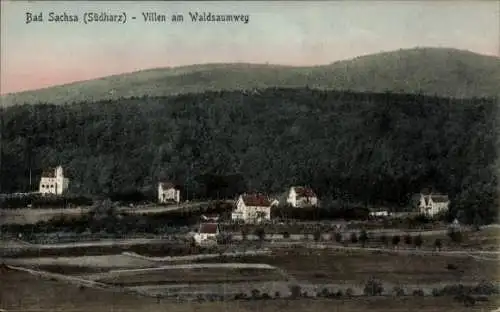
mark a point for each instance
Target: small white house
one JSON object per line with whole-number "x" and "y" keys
{"x": 167, "y": 192}
{"x": 432, "y": 204}
{"x": 207, "y": 233}
{"x": 299, "y": 196}
{"x": 53, "y": 181}
{"x": 252, "y": 208}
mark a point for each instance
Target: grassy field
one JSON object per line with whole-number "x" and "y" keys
{"x": 199, "y": 275}
{"x": 327, "y": 266}
{"x": 24, "y": 292}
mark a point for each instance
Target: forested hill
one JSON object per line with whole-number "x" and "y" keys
{"x": 432, "y": 71}
{"x": 359, "y": 148}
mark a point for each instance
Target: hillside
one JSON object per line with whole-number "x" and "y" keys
{"x": 356, "y": 148}
{"x": 433, "y": 71}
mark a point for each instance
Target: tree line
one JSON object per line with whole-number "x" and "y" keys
{"x": 352, "y": 148}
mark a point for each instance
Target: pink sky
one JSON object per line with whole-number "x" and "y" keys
{"x": 38, "y": 55}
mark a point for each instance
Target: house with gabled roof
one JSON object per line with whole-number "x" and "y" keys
{"x": 301, "y": 196}
{"x": 168, "y": 192}
{"x": 431, "y": 204}
{"x": 252, "y": 208}
{"x": 207, "y": 233}
{"x": 53, "y": 181}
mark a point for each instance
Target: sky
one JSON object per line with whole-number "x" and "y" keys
{"x": 41, "y": 54}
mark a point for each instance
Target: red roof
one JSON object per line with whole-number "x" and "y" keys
{"x": 304, "y": 191}
{"x": 49, "y": 173}
{"x": 208, "y": 228}
{"x": 256, "y": 200}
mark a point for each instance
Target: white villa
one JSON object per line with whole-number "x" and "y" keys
{"x": 53, "y": 181}
{"x": 167, "y": 192}
{"x": 432, "y": 204}
{"x": 207, "y": 234}
{"x": 252, "y": 208}
{"x": 299, "y": 196}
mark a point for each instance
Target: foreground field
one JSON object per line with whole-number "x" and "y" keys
{"x": 354, "y": 267}
{"x": 24, "y": 292}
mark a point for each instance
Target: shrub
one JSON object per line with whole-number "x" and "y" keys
{"x": 451, "y": 267}
{"x": 383, "y": 239}
{"x": 317, "y": 235}
{"x": 260, "y": 233}
{"x": 354, "y": 238}
{"x": 255, "y": 294}
{"x": 363, "y": 237}
{"x": 408, "y": 239}
{"x": 438, "y": 244}
{"x": 286, "y": 235}
{"x": 339, "y": 293}
{"x": 373, "y": 288}
{"x": 455, "y": 236}
{"x": 485, "y": 288}
{"x": 277, "y": 294}
{"x": 324, "y": 293}
{"x": 349, "y": 292}
{"x": 338, "y": 237}
{"x": 436, "y": 292}
{"x": 418, "y": 292}
{"x": 398, "y": 291}
{"x": 395, "y": 240}
{"x": 295, "y": 291}
{"x": 418, "y": 241}
{"x": 265, "y": 296}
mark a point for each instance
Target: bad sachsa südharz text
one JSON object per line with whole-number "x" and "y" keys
{"x": 121, "y": 17}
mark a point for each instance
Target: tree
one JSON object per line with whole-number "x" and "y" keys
{"x": 455, "y": 235}
{"x": 418, "y": 241}
{"x": 477, "y": 222}
{"x": 260, "y": 233}
{"x": 438, "y": 244}
{"x": 384, "y": 239}
{"x": 373, "y": 288}
{"x": 354, "y": 238}
{"x": 338, "y": 237}
{"x": 317, "y": 235}
{"x": 408, "y": 239}
{"x": 395, "y": 240}
{"x": 363, "y": 237}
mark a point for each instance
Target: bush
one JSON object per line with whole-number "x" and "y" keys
{"x": 354, "y": 238}
{"x": 438, "y": 244}
{"x": 408, "y": 239}
{"x": 398, "y": 291}
{"x": 363, "y": 237}
{"x": 286, "y": 235}
{"x": 486, "y": 288}
{"x": 395, "y": 240}
{"x": 349, "y": 292}
{"x": 324, "y": 293}
{"x": 260, "y": 233}
{"x": 373, "y": 288}
{"x": 317, "y": 235}
{"x": 339, "y": 293}
{"x": 255, "y": 294}
{"x": 436, "y": 292}
{"x": 338, "y": 237}
{"x": 451, "y": 267}
{"x": 418, "y": 241}
{"x": 277, "y": 294}
{"x": 384, "y": 239}
{"x": 455, "y": 236}
{"x": 418, "y": 292}
{"x": 295, "y": 291}
{"x": 265, "y": 296}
